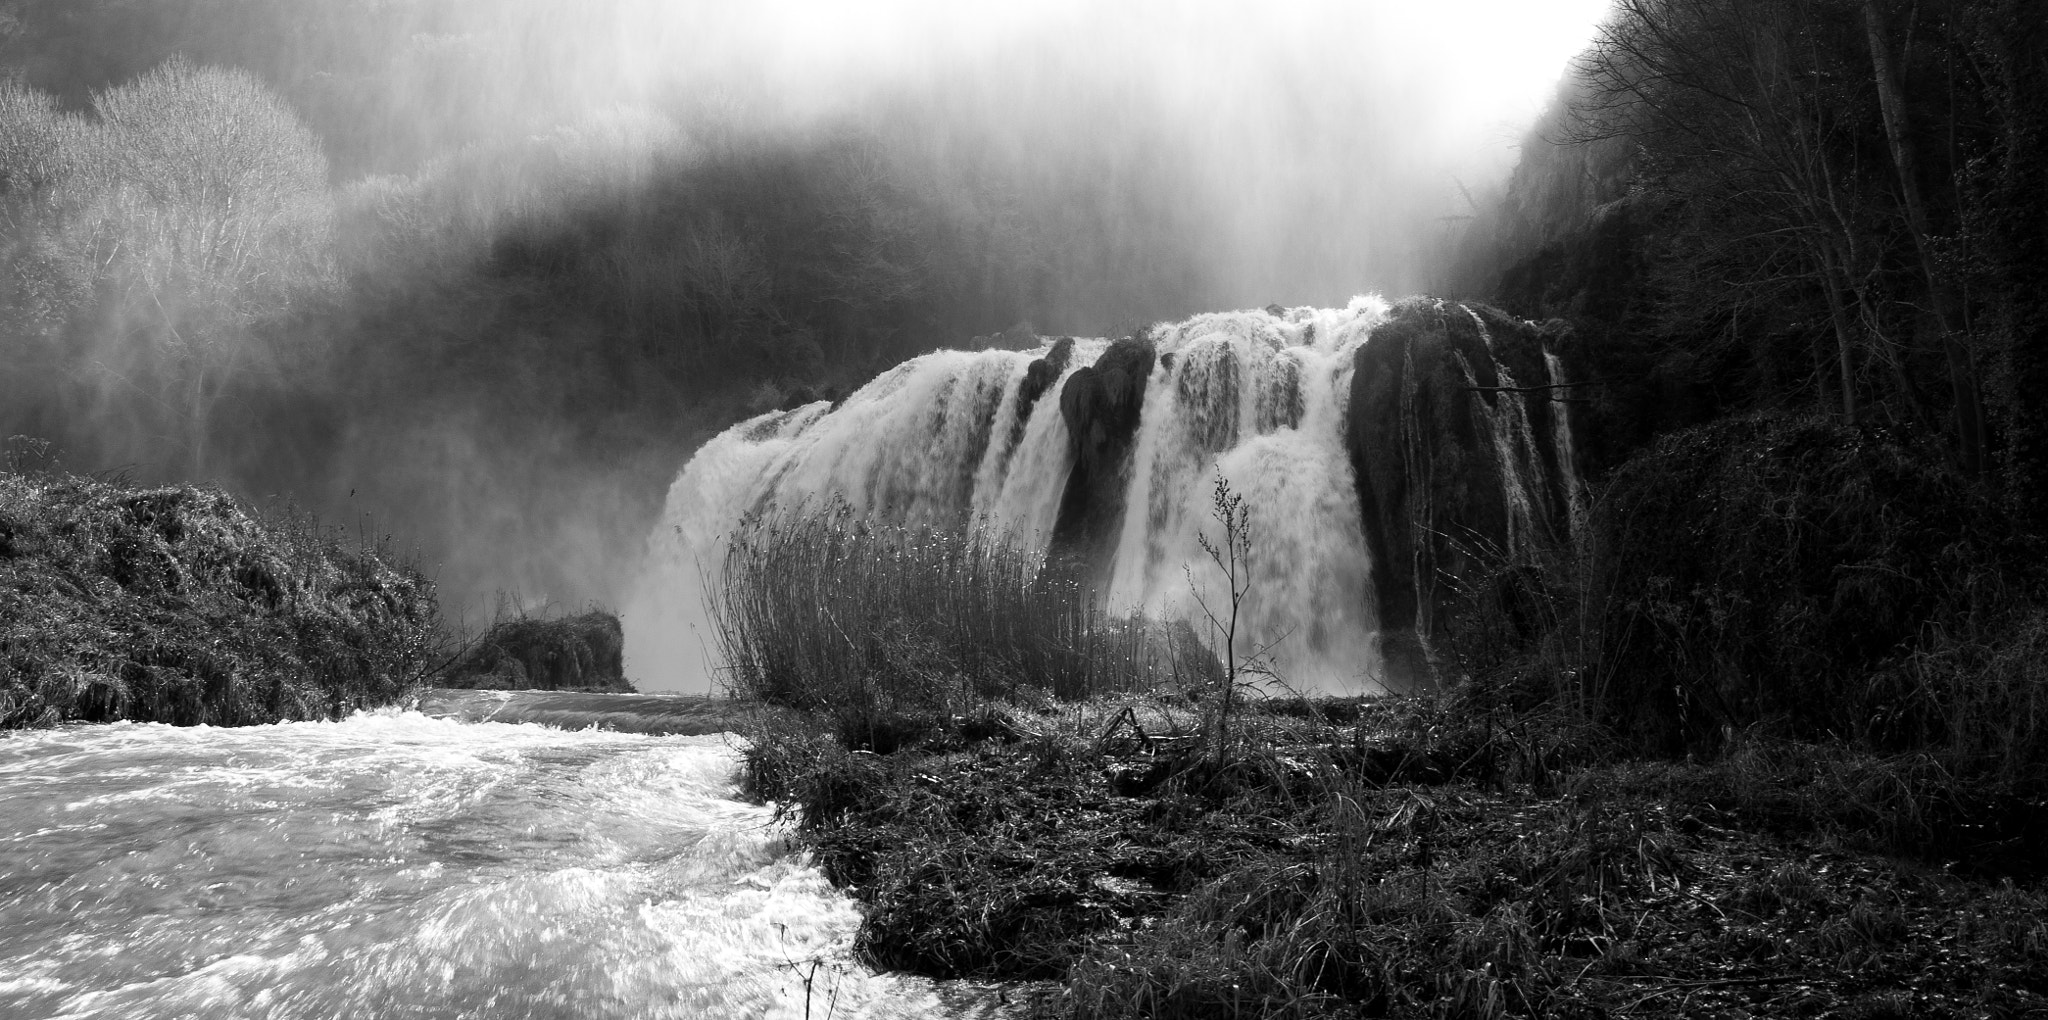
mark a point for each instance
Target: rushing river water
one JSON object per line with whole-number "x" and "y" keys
{"x": 394, "y": 865}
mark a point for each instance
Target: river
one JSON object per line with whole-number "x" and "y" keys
{"x": 394, "y": 865}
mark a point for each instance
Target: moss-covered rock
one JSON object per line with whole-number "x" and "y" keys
{"x": 179, "y": 604}
{"x": 1102, "y": 404}
{"x": 567, "y": 653}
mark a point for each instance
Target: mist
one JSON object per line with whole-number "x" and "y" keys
{"x": 548, "y": 248}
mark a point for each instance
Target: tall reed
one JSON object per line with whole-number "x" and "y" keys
{"x": 821, "y": 607}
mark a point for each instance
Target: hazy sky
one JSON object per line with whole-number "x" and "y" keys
{"x": 1331, "y": 135}
{"x": 1485, "y": 64}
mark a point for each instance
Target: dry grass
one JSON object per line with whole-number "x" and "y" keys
{"x": 876, "y": 624}
{"x": 179, "y": 604}
{"x": 1373, "y": 861}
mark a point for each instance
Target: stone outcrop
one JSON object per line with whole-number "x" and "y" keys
{"x": 1038, "y": 378}
{"x": 1451, "y": 422}
{"x": 1101, "y": 404}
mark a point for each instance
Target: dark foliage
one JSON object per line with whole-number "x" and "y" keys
{"x": 1301, "y": 880}
{"x": 1780, "y": 570}
{"x": 582, "y": 652}
{"x": 1744, "y": 204}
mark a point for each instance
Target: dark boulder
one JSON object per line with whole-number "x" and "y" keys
{"x": 1039, "y": 377}
{"x": 1101, "y": 404}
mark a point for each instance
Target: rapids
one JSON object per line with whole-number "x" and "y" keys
{"x": 393, "y": 865}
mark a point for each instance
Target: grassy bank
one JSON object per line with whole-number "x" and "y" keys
{"x": 1405, "y": 858}
{"x": 179, "y": 604}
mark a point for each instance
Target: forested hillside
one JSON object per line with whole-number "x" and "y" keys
{"x": 1801, "y": 246}
{"x": 1744, "y": 204}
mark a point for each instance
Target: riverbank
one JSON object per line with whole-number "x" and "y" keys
{"x": 1412, "y": 858}
{"x": 181, "y": 604}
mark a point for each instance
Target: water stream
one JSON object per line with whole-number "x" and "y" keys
{"x": 393, "y": 865}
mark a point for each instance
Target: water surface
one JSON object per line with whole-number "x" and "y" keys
{"x": 395, "y": 865}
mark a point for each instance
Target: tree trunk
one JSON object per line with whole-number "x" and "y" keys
{"x": 1962, "y": 367}
{"x": 1838, "y": 317}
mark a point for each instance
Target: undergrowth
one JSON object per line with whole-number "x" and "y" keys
{"x": 1399, "y": 857}
{"x": 179, "y": 604}
{"x": 1801, "y": 606}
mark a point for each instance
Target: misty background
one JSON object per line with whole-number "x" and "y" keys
{"x": 480, "y": 274}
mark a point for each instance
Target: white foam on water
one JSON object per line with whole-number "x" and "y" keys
{"x": 393, "y": 865}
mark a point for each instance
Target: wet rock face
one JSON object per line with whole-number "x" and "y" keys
{"x": 1038, "y": 378}
{"x": 1453, "y": 440}
{"x": 1101, "y": 405}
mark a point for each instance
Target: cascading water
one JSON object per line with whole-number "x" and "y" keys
{"x": 1021, "y": 445}
{"x": 1507, "y": 427}
{"x": 938, "y": 440}
{"x": 1567, "y": 454}
{"x": 391, "y": 865}
{"x": 1256, "y": 399}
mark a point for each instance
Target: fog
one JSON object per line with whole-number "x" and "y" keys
{"x": 1319, "y": 144}
{"x": 562, "y": 243}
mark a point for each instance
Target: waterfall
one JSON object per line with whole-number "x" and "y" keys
{"x": 1568, "y": 459}
{"x": 1256, "y": 399}
{"x": 1263, "y": 399}
{"x": 931, "y": 441}
{"x": 1507, "y": 425}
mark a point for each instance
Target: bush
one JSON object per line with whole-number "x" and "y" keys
{"x": 178, "y": 604}
{"x": 583, "y": 652}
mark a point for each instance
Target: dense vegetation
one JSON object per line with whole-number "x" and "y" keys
{"x": 1796, "y": 244}
{"x": 1810, "y": 204}
{"x": 178, "y": 604}
{"x": 1408, "y": 859}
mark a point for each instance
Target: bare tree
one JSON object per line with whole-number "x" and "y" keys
{"x": 1232, "y": 556}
